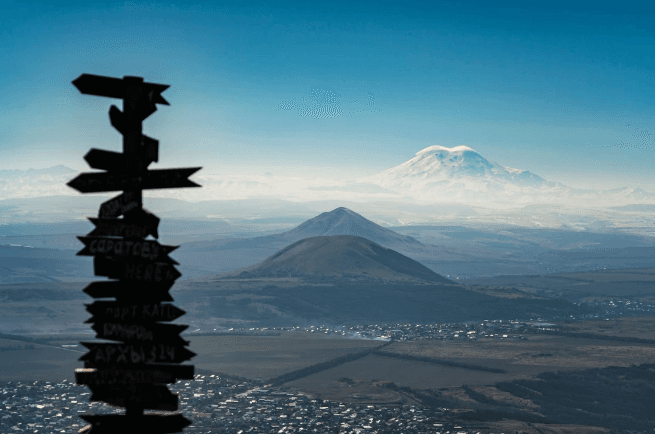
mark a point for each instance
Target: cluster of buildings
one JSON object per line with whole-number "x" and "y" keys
{"x": 217, "y": 405}
{"x": 494, "y": 329}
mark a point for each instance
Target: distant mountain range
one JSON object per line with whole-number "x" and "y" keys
{"x": 340, "y": 221}
{"x": 461, "y": 175}
{"x": 50, "y": 171}
{"x": 340, "y": 257}
{"x": 236, "y": 253}
{"x": 435, "y": 175}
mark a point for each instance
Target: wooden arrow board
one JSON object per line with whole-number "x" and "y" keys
{"x": 115, "y": 161}
{"x": 147, "y": 180}
{"x": 111, "y": 311}
{"x": 140, "y": 224}
{"x": 152, "y": 272}
{"x": 130, "y": 291}
{"x": 119, "y": 205}
{"x": 149, "y": 423}
{"x": 118, "y": 228}
{"x": 146, "y": 396}
{"x": 126, "y": 354}
{"x": 111, "y": 87}
{"x": 167, "y": 333}
{"x": 105, "y": 160}
{"x": 108, "y": 376}
{"x": 126, "y": 248}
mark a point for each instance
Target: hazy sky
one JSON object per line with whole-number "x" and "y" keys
{"x": 351, "y": 87}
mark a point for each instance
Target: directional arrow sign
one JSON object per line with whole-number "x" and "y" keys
{"x": 111, "y": 311}
{"x": 130, "y": 290}
{"x": 140, "y": 224}
{"x": 146, "y": 396}
{"x": 149, "y": 423}
{"x": 152, "y": 272}
{"x": 126, "y": 354}
{"x": 126, "y": 248}
{"x": 168, "y": 333}
{"x": 108, "y": 376}
{"x": 119, "y": 205}
{"x": 117, "y": 119}
{"x": 149, "y": 179}
{"x": 115, "y": 161}
{"x": 99, "y": 85}
{"x": 118, "y": 228}
{"x": 104, "y": 160}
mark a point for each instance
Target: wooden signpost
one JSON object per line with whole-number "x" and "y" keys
{"x": 132, "y": 372}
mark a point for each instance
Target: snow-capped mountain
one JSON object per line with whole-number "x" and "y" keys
{"x": 438, "y": 163}
{"x": 460, "y": 174}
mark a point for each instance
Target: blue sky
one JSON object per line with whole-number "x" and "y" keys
{"x": 343, "y": 88}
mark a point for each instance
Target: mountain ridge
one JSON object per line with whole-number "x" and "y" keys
{"x": 339, "y": 257}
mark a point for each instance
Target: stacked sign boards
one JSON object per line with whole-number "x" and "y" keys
{"x": 133, "y": 371}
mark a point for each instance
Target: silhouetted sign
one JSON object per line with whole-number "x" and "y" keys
{"x": 104, "y": 160}
{"x": 168, "y": 333}
{"x": 131, "y": 373}
{"x": 119, "y": 205}
{"x": 151, "y": 272}
{"x": 118, "y": 228}
{"x": 147, "y": 180}
{"x": 117, "y": 119}
{"x": 126, "y": 354}
{"x": 150, "y": 149}
{"x": 109, "y": 311}
{"x": 155, "y": 423}
{"x": 146, "y": 396}
{"x": 130, "y": 290}
{"x": 115, "y": 161}
{"x": 126, "y": 248}
{"x": 99, "y": 85}
{"x": 140, "y": 224}
{"x": 108, "y": 376}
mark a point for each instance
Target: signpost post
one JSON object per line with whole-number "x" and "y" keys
{"x": 132, "y": 372}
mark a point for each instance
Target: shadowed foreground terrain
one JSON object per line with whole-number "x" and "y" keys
{"x": 251, "y": 302}
{"x": 345, "y": 280}
{"x": 496, "y": 376}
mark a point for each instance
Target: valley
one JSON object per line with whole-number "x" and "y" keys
{"x": 441, "y": 328}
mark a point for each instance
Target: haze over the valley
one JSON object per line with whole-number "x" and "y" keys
{"x": 443, "y": 185}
